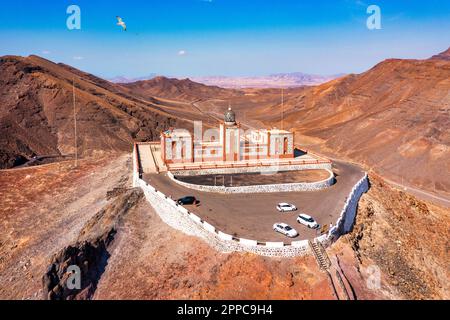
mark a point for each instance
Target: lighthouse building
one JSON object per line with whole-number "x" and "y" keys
{"x": 229, "y": 143}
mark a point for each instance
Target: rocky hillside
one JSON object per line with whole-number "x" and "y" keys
{"x": 393, "y": 118}
{"x": 405, "y": 239}
{"x": 37, "y": 113}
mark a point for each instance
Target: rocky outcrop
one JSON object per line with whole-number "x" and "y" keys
{"x": 405, "y": 239}
{"x": 90, "y": 252}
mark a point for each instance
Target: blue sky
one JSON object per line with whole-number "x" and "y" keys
{"x": 224, "y": 37}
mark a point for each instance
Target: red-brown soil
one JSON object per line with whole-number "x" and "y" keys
{"x": 152, "y": 261}
{"x": 43, "y": 210}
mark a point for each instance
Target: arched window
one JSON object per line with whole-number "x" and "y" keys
{"x": 277, "y": 146}
{"x": 183, "y": 150}
{"x": 285, "y": 145}
{"x": 174, "y": 149}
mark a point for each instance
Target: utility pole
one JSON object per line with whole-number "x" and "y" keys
{"x": 75, "y": 121}
{"x": 282, "y": 108}
{"x": 403, "y": 182}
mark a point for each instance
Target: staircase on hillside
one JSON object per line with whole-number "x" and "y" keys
{"x": 334, "y": 276}
{"x": 321, "y": 256}
{"x": 146, "y": 158}
{"x": 156, "y": 152}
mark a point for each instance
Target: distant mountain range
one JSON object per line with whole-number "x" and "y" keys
{"x": 123, "y": 79}
{"x": 279, "y": 80}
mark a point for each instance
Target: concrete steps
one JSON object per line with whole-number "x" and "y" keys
{"x": 320, "y": 255}
{"x": 146, "y": 158}
{"x": 156, "y": 152}
{"x": 334, "y": 274}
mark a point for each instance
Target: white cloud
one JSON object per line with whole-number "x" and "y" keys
{"x": 45, "y": 52}
{"x": 182, "y": 53}
{"x": 78, "y": 58}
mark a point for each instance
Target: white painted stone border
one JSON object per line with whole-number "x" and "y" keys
{"x": 346, "y": 220}
{"x": 181, "y": 219}
{"x": 267, "y": 188}
{"x": 254, "y": 169}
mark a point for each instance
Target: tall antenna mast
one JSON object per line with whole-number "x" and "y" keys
{"x": 282, "y": 108}
{"x": 75, "y": 121}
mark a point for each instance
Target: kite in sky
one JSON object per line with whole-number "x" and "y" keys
{"x": 121, "y": 23}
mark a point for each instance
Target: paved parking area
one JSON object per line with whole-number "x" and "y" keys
{"x": 252, "y": 216}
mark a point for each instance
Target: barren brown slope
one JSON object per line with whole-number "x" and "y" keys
{"x": 37, "y": 116}
{"x": 183, "y": 90}
{"x": 393, "y": 118}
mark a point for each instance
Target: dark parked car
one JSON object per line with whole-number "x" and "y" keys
{"x": 187, "y": 200}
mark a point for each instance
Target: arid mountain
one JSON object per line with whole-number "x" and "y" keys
{"x": 394, "y": 118}
{"x": 442, "y": 56}
{"x": 280, "y": 80}
{"x": 37, "y": 113}
{"x": 183, "y": 90}
{"x": 124, "y": 79}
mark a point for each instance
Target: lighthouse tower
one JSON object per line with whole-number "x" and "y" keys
{"x": 230, "y": 137}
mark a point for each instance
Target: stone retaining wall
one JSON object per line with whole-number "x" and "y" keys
{"x": 346, "y": 220}
{"x": 285, "y": 187}
{"x": 254, "y": 169}
{"x": 181, "y": 219}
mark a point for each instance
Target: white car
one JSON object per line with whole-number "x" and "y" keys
{"x": 307, "y": 221}
{"x": 285, "y": 229}
{"x": 286, "y": 207}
